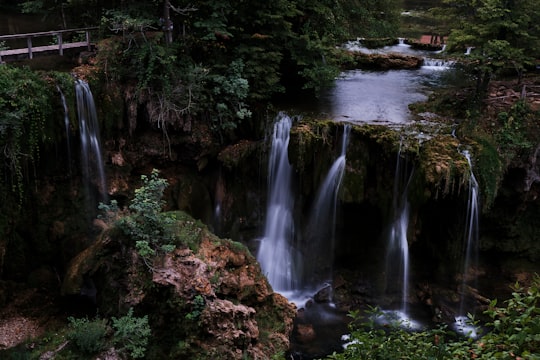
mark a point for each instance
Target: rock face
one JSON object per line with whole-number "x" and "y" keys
{"x": 214, "y": 299}
{"x": 384, "y": 61}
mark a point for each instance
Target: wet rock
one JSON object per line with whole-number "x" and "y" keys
{"x": 305, "y": 333}
{"x": 324, "y": 295}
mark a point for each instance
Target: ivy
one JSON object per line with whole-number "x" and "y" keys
{"x": 25, "y": 105}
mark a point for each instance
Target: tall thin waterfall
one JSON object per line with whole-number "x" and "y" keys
{"x": 321, "y": 228}
{"x": 470, "y": 243}
{"x": 397, "y": 253}
{"x": 470, "y": 240}
{"x": 91, "y": 158}
{"x": 66, "y": 125}
{"x": 276, "y": 251}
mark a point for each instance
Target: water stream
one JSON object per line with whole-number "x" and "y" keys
{"x": 91, "y": 157}
{"x": 470, "y": 253}
{"x": 276, "y": 251}
{"x": 321, "y": 227}
{"x": 397, "y": 255}
{"x": 66, "y": 126}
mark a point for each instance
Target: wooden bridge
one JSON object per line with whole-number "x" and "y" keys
{"x": 57, "y": 35}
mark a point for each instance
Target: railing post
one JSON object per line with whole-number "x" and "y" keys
{"x": 60, "y": 48}
{"x": 88, "y": 40}
{"x": 29, "y": 43}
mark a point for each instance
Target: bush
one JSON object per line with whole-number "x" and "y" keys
{"x": 132, "y": 334}
{"x": 146, "y": 224}
{"x": 87, "y": 335}
{"x": 514, "y": 334}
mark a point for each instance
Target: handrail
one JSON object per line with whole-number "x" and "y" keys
{"x": 60, "y": 46}
{"x": 44, "y": 33}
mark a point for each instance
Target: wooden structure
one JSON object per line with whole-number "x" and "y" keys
{"x": 60, "y": 45}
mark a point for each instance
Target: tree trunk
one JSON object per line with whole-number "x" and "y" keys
{"x": 167, "y": 23}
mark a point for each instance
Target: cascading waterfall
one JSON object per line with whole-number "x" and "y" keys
{"x": 276, "y": 250}
{"x": 320, "y": 232}
{"x": 66, "y": 125}
{"x": 397, "y": 253}
{"x": 91, "y": 158}
{"x": 470, "y": 243}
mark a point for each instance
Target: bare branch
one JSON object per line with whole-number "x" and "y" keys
{"x": 183, "y": 11}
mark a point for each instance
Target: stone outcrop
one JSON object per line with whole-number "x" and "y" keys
{"x": 380, "y": 61}
{"x": 212, "y": 297}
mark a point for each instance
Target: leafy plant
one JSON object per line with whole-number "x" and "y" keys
{"x": 88, "y": 335}
{"x": 132, "y": 334}
{"x": 230, "y": 90}
{"x": 25, "y": 106}
{"x": 146, "y": 224}
{"x": 512, "y": 136}
{"x": 514, "y": 333}
{"x": 197, "y": 305}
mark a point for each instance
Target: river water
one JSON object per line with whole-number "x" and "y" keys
{"x": 378, "y": 97}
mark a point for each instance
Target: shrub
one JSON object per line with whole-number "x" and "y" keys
{"x": 145, "y": 224}
{"x": 132, "y": 334}
{"x": 87, "y": 335}
{"x": 514, "y": 334}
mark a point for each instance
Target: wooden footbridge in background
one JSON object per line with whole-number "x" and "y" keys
{"x": 57, "y": 36}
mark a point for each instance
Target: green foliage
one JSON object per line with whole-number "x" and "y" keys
{"x": 88, "y": 335}
{"x": 230, "y": 92}
{"x": 489, "y": 169}
{"x": 505, "y": 35}
{"x": 25, "y": 105}
{"x": 515, "y": 327}
{"x": 197, "y": 307}
{"x": 149, "y": 228}
{"x": 514, "y": 333}
{"x": 512, "y": 134}
{"x": 233, "y": 54}
{"x": 132, "y": 334}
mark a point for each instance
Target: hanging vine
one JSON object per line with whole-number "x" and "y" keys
{"x": 24, "y": 108}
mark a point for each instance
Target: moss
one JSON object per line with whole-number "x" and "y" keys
{"x": 236, "y": 154}
{"x": 445, "y": 169}
{"x": 488, "y": 169}
{"x": 187, "y": 231}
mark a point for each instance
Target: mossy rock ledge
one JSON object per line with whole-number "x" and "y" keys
{"x": 206, "y": 300}
{"x": 441, "y": 168}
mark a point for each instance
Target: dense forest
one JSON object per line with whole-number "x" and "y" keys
{"x": 206, "y": 76}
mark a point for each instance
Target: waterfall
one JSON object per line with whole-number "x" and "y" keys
{"x": 397, "y": 253}
{"x": 470, "y": 243}
{"x": 320, "y": 232}
{"x": 437, "y": 64}
{"x": 91, "y": 158}
{"x": 275, "y": 253}
{"x": 66, "y": 125}
{"x": 218, "y": 202}
{"x": 470, "y": 240}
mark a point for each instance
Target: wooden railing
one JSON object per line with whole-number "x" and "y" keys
{"x": 60, "y": 45}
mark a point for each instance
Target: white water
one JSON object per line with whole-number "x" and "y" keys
{"x": 275, "y": 253}
{"x": 66, "y": 125}
{"x": 91, "y": 158}
{"x": 320, "y": 232}
{"x": 462, "y": 323}
{"x": 397, "y": 257}
{"x": 471, "y": 230}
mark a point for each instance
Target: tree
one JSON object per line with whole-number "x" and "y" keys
{"x": 504, "y": 35}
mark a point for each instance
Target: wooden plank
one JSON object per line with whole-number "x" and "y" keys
{"x": 44, "y": 33}
{"x": 36, "y": 49}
